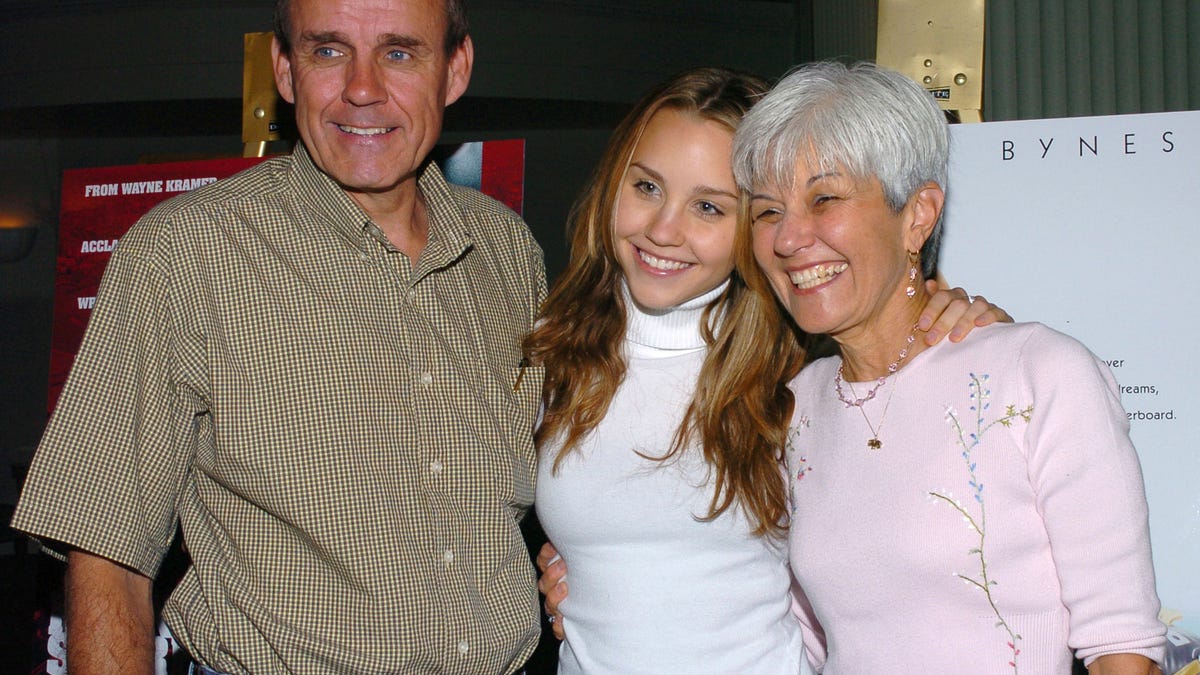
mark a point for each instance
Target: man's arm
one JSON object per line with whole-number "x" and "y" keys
{"x": 110, "y": 617}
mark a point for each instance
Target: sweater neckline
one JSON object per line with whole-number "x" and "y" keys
{"x": 673, "y": 329}
{"x": 914, "y": 364}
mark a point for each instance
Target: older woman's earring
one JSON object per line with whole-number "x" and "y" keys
{"x": 913, "y": 260}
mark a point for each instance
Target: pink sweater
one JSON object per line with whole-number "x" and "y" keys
{"x": 1002, "y": 524}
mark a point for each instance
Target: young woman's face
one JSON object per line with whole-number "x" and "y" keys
{"x": 677, "y": 210}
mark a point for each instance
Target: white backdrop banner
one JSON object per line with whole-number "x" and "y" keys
{"x": 1092, "y": 226}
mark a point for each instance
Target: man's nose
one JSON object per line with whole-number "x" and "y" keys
{"x": 364, "y": 83}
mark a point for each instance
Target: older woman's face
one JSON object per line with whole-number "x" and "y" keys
{"x": 832, "y": 249}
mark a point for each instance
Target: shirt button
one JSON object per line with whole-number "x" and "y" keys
{"x": 463, "y": 647}
{"x": 448, "y": 556}
{"x": 426, "y": 378}
{"x": 435, "y": 467}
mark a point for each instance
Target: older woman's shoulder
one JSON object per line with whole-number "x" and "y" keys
{"x": 1035, "y": 345}
{"x": 1032, "y": 335}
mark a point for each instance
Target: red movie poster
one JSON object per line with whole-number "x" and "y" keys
{"x": 99, "y": 205}
{"x": 503, "y": 173}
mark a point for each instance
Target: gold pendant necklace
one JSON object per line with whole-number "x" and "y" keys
{"x": 873, "y": 442}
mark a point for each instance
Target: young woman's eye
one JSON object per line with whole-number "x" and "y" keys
{"x": 646, "y": 187}
{"x": 709, "y": 209}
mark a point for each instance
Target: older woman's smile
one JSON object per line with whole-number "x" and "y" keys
{"x": 816, "y": 275}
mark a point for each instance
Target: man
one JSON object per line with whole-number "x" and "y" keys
{"x": 315, "y": 369}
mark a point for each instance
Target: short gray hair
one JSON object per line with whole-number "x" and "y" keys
{"x": 863, "y": 119}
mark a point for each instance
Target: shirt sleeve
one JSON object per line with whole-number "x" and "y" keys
{"x": 107, "y": 474}
{"x": 1090, "y": 492}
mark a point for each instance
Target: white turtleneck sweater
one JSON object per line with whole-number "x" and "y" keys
{"x": 654, "y": 589}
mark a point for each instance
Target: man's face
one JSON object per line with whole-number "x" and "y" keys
{"x": 370, "y": 80}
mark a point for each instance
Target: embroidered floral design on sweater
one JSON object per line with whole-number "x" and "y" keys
{"x": 797, "y": 462}
{"x": 969, "y": 440}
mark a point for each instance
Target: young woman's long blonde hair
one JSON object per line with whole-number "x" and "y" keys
{"x": 579, "y": 336}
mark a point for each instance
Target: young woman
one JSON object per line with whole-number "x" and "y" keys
{"x": 663, "y": 495}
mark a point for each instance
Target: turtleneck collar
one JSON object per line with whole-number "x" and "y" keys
{"x": 675, "y": 329}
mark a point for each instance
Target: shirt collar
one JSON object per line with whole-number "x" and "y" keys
{"x": 449, "y": 235}
{"x": 449, "y": 229}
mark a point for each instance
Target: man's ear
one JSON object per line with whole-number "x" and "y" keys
{"x": 458, "y": 70}
{"x": 282, "y": 63}
{"x": 926, "y": 207}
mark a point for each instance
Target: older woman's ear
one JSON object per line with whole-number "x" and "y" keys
{"x": 926, "y": 207}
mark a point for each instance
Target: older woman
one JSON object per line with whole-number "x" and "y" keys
{"x": 972, "y": 507}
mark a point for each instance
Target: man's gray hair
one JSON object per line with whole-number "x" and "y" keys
{"x": 865, "y": 120}
{"x": 457, "y": 27}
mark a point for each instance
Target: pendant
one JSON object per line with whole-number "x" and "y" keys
{"x": 874, "y": 444}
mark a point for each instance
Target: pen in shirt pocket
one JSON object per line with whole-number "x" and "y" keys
{"x": 522, "y": 365}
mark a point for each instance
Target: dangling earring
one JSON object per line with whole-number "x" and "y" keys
{"x": 913, "y": 260}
